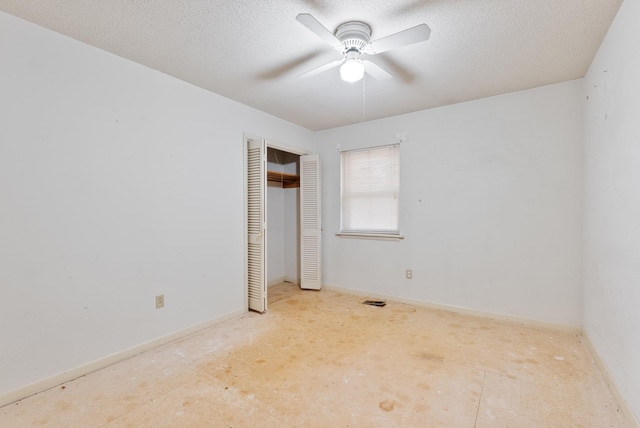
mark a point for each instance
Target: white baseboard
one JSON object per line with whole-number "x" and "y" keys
{"x": 53, "y": 381}
{"x": 566, "y": 328}
{"x": 282, "y": 279}
{"x": 613, "y": 386}
{"x": 275, "y": 281}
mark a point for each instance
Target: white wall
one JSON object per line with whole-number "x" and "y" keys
{"x": 292, "y": 223}
{"x": 117, "y": 183}
{"x": 275, "y": 233}
{"x": 275, "y": 222}
{"x": 292, "y": 235}
{"x": 491, "y": 206}
{"x": 612, "y": 203}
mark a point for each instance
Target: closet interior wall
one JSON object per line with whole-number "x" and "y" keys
{"x": 282, "y": 221}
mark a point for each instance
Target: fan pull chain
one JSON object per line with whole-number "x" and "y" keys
{"x": 364, "y": 99}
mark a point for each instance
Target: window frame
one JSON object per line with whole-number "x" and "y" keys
{"x": 371, "y": 233}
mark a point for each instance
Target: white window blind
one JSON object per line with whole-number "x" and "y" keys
{"x": 370, "y": 190}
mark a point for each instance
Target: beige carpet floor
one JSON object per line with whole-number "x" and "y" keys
{"x": 323, "y": 359}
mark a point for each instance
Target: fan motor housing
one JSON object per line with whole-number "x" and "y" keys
{"x": 354, "y": 35}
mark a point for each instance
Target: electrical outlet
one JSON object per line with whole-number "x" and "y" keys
{"x": 409, "y": 274}
{"x": 160, "y": 301}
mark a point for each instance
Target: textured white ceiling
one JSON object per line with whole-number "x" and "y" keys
{"x": 252, "y": 50}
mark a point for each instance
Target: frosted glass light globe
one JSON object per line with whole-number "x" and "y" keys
{"x": 352, "y": 70}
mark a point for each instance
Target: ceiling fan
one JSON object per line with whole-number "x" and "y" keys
{"x": 352, "y": 40}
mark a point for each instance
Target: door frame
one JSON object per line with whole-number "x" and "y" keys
{"x": 269, "y": 144}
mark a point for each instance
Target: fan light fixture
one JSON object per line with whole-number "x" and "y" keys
{"x": 352, "y": 70}
{"x": 353, "y": 39}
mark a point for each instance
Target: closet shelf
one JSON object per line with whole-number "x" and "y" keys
{"x": 287, "y": 180}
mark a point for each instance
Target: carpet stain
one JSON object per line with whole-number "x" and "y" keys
{"x": 387, "y": 405}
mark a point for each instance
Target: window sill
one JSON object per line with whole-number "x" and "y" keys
{"x": 378, "y": 236}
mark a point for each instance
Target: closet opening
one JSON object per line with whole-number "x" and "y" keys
{"x": 283, "y": 217}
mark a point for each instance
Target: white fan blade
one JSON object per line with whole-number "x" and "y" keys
{"x": 322, "y": 68}
{"x": 320, "y": 30}
{"x": 416, "y": 34}
{"x": 375, "y": 70}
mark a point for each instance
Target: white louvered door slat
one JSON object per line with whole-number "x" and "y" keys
{"x": 256, "y": 266}
{"x": 310, "y": 222}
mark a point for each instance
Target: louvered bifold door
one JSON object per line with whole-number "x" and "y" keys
{"x": 256, "y": 266}
{"x": 310, "y": 222}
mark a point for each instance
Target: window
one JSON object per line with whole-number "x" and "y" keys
{"x": 370, "y": 184}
